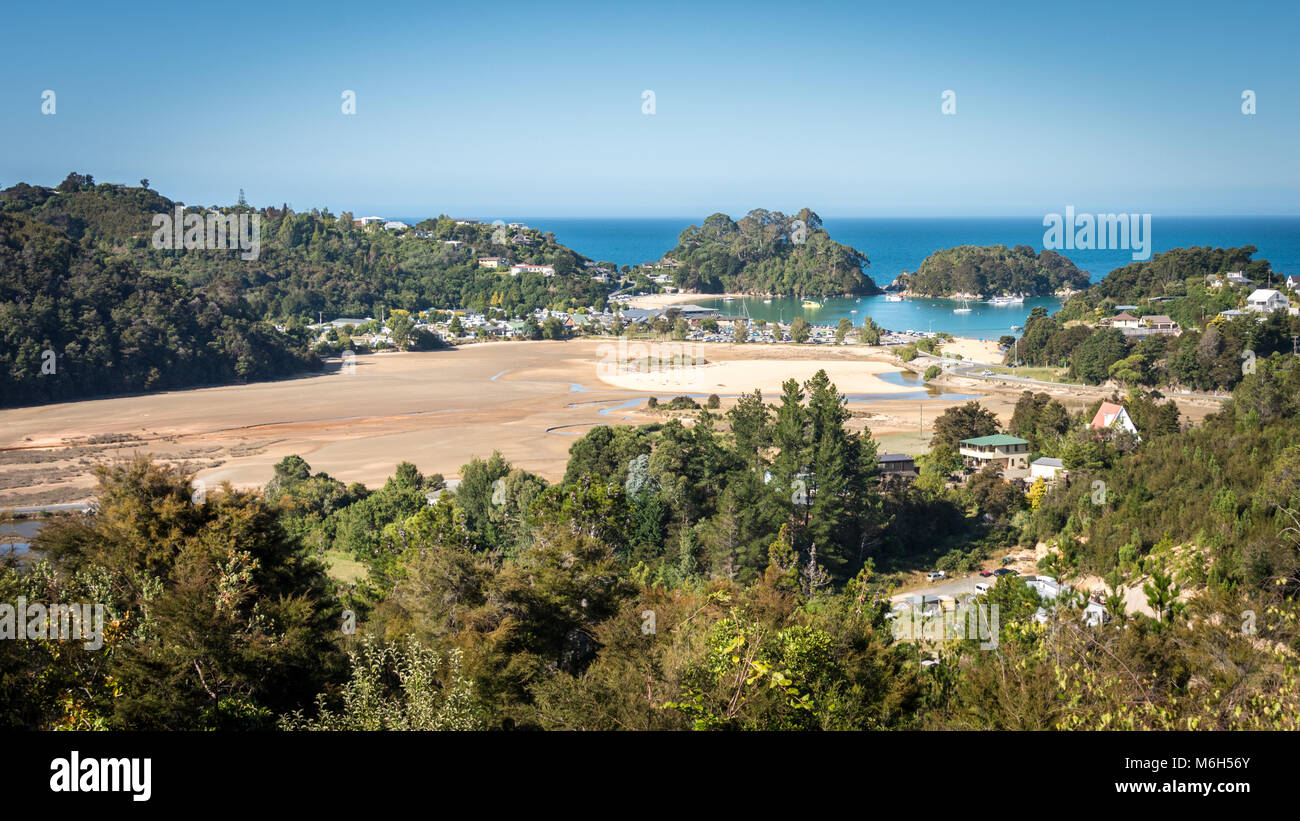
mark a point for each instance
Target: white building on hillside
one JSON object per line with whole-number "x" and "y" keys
{"x": 1266, "y": 301}
{"x": 1113, "y": 417}
{"x": 1046, "y": 468}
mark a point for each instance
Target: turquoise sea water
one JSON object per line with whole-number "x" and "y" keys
{"x": 983, "y": 322}
{"x": 900, "y": 244}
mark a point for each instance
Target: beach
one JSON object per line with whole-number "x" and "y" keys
{"x": 439, "y": 409}
{"x": 651, "y": 302}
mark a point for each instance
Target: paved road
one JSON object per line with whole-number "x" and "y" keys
{"x": 959, "y": 586}
{"x": 970, "y": 369}
{"x": 81, "y": 506}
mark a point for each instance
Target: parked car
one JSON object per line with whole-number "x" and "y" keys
{"x": 935, "y": 575}
{"x": 982, "y": 587}
{"x": 986, "y": 573}
{"x": 1005, "y": 571}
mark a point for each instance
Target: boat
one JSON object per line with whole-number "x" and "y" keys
{"x": 854, "y": 311}
{"x": 1006, "y": 300}
{"x": 964, "y": 309}
{"x": 767, "y": 302}
{"x": 811, "y": 303}
{"x": 728, "y": 299}
{"x": 894, "y": 298}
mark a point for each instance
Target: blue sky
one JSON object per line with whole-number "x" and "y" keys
{"x": 501, "y": 108}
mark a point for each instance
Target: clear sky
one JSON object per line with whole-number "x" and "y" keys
{"x": 536, "y": 108}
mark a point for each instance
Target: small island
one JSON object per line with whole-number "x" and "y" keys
{"x": 770, "y": 254}
{"x": 978, "y": 272}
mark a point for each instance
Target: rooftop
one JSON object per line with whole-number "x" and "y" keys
{"x": 995, "y": 440}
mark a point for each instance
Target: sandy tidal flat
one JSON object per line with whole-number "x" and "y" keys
{"x": 437, "y": 409}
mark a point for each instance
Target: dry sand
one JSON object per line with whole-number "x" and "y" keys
{"x": 690, "y": 368}
{"x": 529, "y": 400}
{"x": 985, "y": 351}
{"x": 652, "y": 301}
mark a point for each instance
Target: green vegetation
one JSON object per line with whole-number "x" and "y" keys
{"x": 1170, "y": 273}
{"x": 1212, "y": 358}
{"x": 83, "y": 280}
{"x": 700, "y": 576}
{"x": 994, "y": 270}
{"x": 767, "y": 252}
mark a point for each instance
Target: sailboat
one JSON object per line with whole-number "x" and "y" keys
{"x": 964, "y": 309}
{"x": 893, "y": 297}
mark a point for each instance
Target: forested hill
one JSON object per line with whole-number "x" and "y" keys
{"x": 767, "y": 252}
{"x": 993, "y": 270}
{"x": 79, "y": 276}
{"x": 314, "y": 262}
{"x": 1167, "y": 274}
{"x": 77, "y": 322}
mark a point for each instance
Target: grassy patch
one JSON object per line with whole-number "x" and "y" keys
{"x": 1041, "y": 374}
{"x": 343, "y": 567}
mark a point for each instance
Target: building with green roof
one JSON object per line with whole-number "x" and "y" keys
{"x": 1007, "y": 452}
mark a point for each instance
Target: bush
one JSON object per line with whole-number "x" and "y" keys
{"x": 713, "y": 402}
{"x": 932, "y": 372}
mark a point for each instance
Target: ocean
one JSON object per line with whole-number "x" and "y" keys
{"x": 900, "y": 244}
{"x": 894, "y": 245}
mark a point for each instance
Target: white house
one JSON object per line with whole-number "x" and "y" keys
{"x": 1045, "y": 586}
{"x": 1266, "y": 301}
{"x": 1159, "y": 324}
{"x": 1095, "y": 614}
{"x": 395, "y": 225}
{"x": 1293, "y": 282}
{"x": 544, "y": 270}
{"x": 1045, "y": 468}
{"x": 1124, "y": 320}
{"x": 1238, "y": 278}
{"x": 1113, "y": 417}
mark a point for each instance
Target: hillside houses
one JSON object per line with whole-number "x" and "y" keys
{"x": 1235, "y": 279}
{"x": 1113, "y": 417}
{"x": 1266, "y": 301}
{"x": 1046, "y": 468}
{"x": 1006, "y": 452}
{"x": 523, "y": 268}
{"x": 1130, "y": 325}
